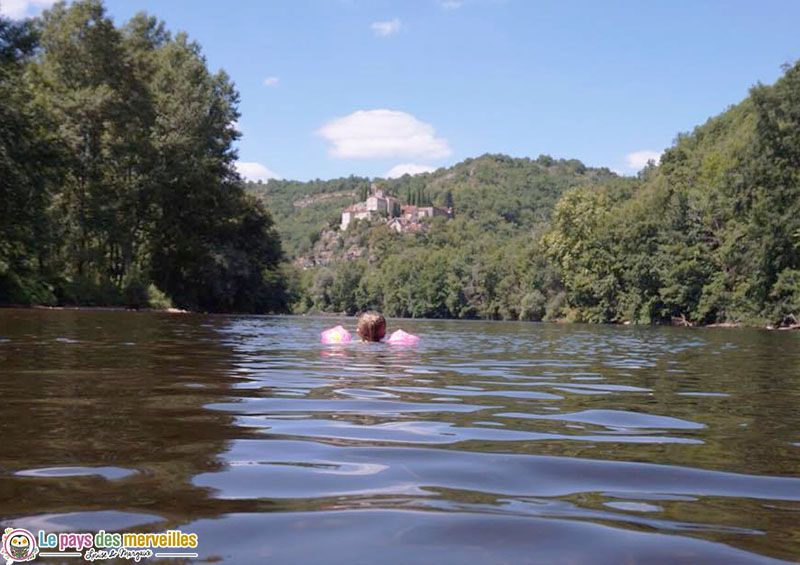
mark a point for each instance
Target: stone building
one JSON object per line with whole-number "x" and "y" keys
{"x": 378, "y": 204}
{"x": 401, "y": 218}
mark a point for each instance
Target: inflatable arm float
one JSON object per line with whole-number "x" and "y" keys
{"x": 399, "y": 337}
{"x": 335, "y": 335}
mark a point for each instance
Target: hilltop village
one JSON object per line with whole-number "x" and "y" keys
{"x": 378, "y": 208}
{"x": 401, "y": 218}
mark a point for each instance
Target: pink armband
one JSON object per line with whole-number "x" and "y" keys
{"x": 335, "y": 335}
{"x": 399, "y": 337}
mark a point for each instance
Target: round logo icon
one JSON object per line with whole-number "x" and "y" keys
{"x": 18, "y": 545}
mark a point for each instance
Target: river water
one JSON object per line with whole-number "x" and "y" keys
{"x": 488, "y": 442}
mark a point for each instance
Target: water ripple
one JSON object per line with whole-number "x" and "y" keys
{"x": 486, "y": 442}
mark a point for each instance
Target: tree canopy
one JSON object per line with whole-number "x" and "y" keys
{"x": 117, "y": 165}
{"x": 710, "y": 236}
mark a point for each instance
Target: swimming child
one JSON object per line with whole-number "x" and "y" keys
{"x": 371, "y": 327}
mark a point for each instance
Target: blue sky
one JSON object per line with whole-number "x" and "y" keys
{"x": 337, "y": 87}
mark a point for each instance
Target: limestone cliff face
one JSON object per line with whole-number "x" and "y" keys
{"x": 337, "y": 245}
{"x": 364, "y": 239}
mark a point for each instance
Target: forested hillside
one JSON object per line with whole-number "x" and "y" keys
{"x": 710, "y": 235}
{"x": 490, "y": 188}
{"x": 485, "y": 262}
{"x": 117, "y": 184}
{"x": 303, "y": 209}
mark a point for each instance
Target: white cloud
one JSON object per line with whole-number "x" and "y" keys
{"x": 16, "y": 9}
{"x": 271, "y": 81}
{"x": 382, "y": 133}
{"x": 450, "y": 4}
{"x": 255, "y": 171}
{"x": 387, "y": 28}
{"x": 407, "y": 169}
{"x": 637, "y": 160}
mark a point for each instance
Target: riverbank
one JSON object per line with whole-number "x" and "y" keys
{"x": 171, "y": 310}
{"x": 674, "y": 323}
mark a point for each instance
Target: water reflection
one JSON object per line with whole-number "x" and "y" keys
{"x": 485, "y": 442}
{"x": 101, "y": 413}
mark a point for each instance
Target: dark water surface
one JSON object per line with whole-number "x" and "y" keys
{"x": 486, "y": 443}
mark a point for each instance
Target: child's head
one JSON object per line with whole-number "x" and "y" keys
{"x": 371, "y": 326}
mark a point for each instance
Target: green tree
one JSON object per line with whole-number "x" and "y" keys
{"x": 26, "y": 164}
{"x": 116, "y": 171}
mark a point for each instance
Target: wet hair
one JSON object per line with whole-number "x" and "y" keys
{"x": 371, "y": 326}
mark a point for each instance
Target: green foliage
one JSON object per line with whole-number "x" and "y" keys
{"x": 302, "y": 210}
{"x": 785, "y": 297}
{"x": 581, "y": 243}
{"x": 456, "y": 270}
{"x": 87, "y": 290}
{"x": 135, "y": 294}
{"x": 492, "y": 189}
{"x": 711, "y": 234}
{"x": 157, "y": 299}
{"x": 138, "y": 293}
{"x": 116, "y": 171}
{"x": 25, "y": 161}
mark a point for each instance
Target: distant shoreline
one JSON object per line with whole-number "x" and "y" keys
{"x": 725, "y": 325}
{"x": 95, "y": 308}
